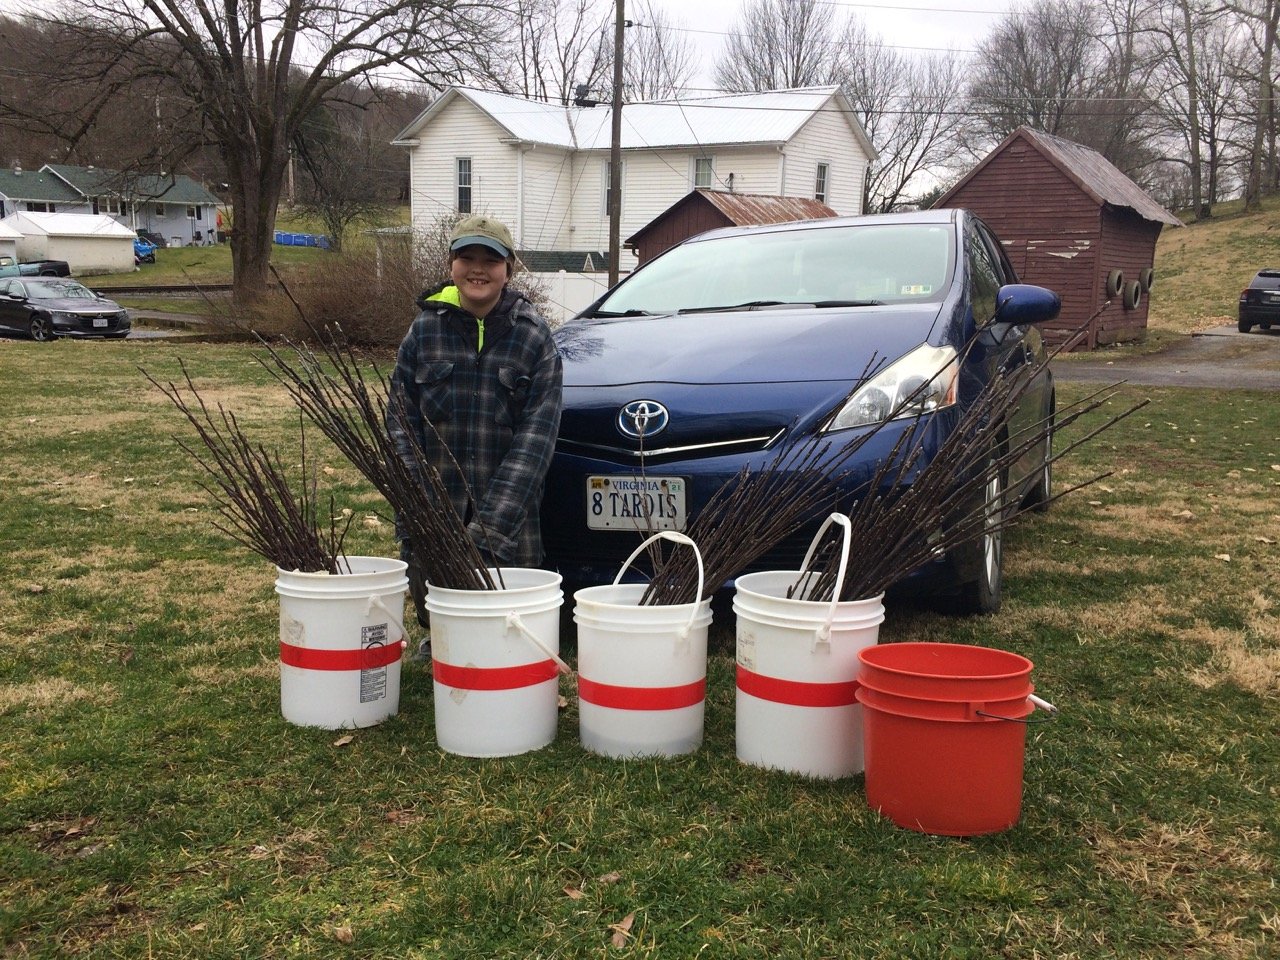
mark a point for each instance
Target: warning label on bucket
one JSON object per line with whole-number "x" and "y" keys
{"x": 373, "y": 683}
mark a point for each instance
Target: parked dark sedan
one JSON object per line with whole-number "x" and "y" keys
{"x": 1260, "y": 302}
{"x": 46, "y": 308}
{"x": 717, "y": 353}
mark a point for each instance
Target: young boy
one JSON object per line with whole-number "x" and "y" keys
{"x": 479, "y": 363}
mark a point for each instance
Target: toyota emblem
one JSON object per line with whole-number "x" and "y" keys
{"x": 641, "y": 419}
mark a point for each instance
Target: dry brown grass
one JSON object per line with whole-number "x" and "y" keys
{"x": 1166, "y": 863}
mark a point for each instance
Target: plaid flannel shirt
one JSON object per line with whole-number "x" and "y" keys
{"x": 497, "y": 409}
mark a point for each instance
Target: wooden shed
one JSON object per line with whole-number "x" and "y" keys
{"x": 702, "y": 210}
{"x": 1072, "y": 222}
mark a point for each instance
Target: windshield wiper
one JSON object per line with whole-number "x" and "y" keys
{"x": 739, "y": 306}
{"x": 619, "y": 313}
{"x": 751, "y": 304}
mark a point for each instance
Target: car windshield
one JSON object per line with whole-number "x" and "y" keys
{"x": 58, "y": 290}
{"x": 839, "y": 265}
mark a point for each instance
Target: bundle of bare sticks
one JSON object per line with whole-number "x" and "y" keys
{"x": 351, "y": 408}
{"x": 252, "y": 491}
{"x": 917, "y": 505}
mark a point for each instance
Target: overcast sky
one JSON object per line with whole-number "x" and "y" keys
{"x": 911, "y": 25}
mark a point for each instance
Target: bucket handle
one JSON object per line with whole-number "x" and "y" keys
{"x": 514, "y": 622}
{"x": 1043, "y": 704}
{"x": 675, "y": 537}
{"x": 823, "y": 633}
{"x": 376, "y": 601}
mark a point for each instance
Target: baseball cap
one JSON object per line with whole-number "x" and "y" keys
{"x": 485, "y": 231}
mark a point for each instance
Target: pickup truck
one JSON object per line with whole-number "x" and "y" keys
{"x": 34, "y": 268}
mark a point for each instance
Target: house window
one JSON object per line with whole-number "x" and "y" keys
{"x": 106, "y": 205}
{"x": 464, "y": 184}
{"x": 606, "y": 188}
{"x": 820, "y": 182}
{"x": 704, "y": 175}
{"x": 39, "y": 206}
{"x": 193, "y": 213}
{"x": 159, "y": 209}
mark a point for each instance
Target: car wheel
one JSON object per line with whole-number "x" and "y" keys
{"x": 1243, "y": 325}
{"x": 1265, "y": 325}
{"x": 41, "y": 328}
{"x": 986, "y": 553}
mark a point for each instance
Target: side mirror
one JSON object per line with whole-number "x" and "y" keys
{"x": 1024, "y": 303}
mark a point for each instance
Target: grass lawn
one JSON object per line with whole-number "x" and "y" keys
{"x": 154, "y": 803}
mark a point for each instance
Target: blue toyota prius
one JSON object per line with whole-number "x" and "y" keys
{"x": 732, "y": 345}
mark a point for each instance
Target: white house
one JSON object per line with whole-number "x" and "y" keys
{"x": 171, "y": 205}
{"x": 90, "y": 243}
{"x": 543, "y": 167}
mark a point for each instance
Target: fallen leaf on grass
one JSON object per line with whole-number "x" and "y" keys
{"x": 1184, "y": 515}
{"x": 343, "y": 741}
{"x": 35, "y": 588}
{"x": 344, "y": 934}
{"x": 372, "y": 522}
{"x": 612, "y": 877}
{"x": 622, "y": 930}
{"x": 1095, "y": 503}
{"x": 1276, "y": 467}
{"x": 573, "y": 893}
{"x": 1226, "y": 557}
{"x": 1266, "y": 540}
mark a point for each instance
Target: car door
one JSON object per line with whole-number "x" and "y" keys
{"x": 13, "y": 312}
{"x": 1019, "y": 347}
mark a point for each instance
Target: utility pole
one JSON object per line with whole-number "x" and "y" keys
{"x": 615, "y": 148}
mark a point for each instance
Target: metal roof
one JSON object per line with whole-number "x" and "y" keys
{"x": 70, "y": 224}
{"x": 744, "y": 118}
{"x": 36, "y": 185}
{"x": 101, "y": 182}
{"x": 750, "y": 208}
{"x": 1091, "y": 171}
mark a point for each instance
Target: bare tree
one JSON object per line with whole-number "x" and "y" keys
{"x": 907, "y": 107}
{"x": 550, "y": 47}
{"x": 343, "y": 182}
{"x": 1075, "y": 69}
{"x": 250, "y": 74}
{"x": 1197, "y": 82}
{"x": 658, "y": 61}
{"x": 778, "y": 44}
{"x": 1263, "y": 19}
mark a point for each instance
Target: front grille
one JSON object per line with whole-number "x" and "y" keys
{"x": 717, "y": 448}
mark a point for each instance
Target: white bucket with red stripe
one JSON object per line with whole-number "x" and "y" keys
{"x": 797, "y": 668}
{"x": 496, "y": 664}
{"x": 341, "y": 636}
{"x": 642, "y": 670}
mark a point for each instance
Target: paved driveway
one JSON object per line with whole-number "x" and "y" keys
{"x": 1220, "y": 358}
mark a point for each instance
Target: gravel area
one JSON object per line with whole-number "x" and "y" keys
{"x": 1221, "y": 358}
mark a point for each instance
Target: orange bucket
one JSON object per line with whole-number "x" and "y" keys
{"x": 944, "y": 733}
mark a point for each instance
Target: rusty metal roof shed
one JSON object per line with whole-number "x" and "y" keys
{"x": 702, "y": 210}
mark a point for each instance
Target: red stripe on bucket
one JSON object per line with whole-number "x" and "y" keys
{"x": 367, "y": 658}
{"x": 494, "y": 678}
{"x": 642, "y": 698}
{"x": 797, "y": 693}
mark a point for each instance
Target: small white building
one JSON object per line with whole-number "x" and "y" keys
{"x": 543, "y": 168}
{"x": 89, "y": 242}
{"x": 9, "y": 238}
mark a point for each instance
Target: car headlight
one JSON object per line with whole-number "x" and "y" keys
{"x": 920, "y": 382}
{"x": 64, "y": 317}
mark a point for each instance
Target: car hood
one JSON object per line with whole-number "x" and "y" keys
{"x": 731, "y": 382}
{"x": 741, "y": 347}
{"x": 78, "y": 305}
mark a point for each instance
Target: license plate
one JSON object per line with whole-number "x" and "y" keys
{"x": 99, "y": 321}
{"x": 1273, "y": 297}
{"x": 635, "y": 503}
